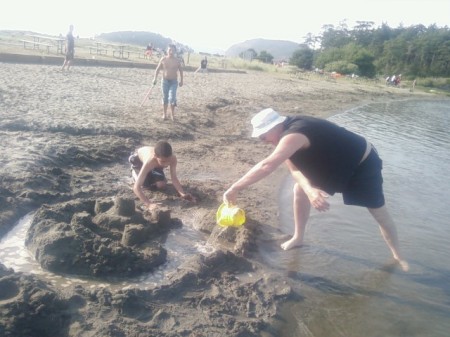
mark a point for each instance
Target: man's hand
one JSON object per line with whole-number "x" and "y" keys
{"x": 317, "y": 198}
{"x": 154, "y": 81}
{"x": 230, "y": 196}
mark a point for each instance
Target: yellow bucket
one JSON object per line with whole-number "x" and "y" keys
{"x": 227, "y": 216}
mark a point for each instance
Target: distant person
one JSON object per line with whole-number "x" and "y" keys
{"x": 147, "y": 170}
{"x": 203, "y": 66}
{"x": 70, "y": 49}
{"x": 323, "y": 159}
{"x": 393, "y": 80}
{"x": 170, "y": 65}
{"x": 413, "y": 85}
{"x": 149, "y": 50}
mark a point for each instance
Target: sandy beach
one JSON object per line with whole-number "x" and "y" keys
{"x": 66, "y": 137}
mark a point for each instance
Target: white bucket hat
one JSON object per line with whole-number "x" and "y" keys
{"x": 265, "y": 120}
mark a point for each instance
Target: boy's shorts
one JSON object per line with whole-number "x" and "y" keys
{"x": 153, "y": 176}
{"x": 169, "y": 90}
{"x": 365, "y": 187}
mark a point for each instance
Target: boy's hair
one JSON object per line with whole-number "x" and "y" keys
{"x": 172, "y": 46}
{"x": 163, "y": 149}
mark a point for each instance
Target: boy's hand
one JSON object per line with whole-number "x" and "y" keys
{"x": 151, "y": 206}
{"x": 188, "y": 197}
{"x": 154, "y": 81}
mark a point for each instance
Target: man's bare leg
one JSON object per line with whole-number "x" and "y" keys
{"x": 172, "y": 111}
{"x": 389, "y": 233}
{"x": 302, "y": 208}
{"x": 164, "y": 116}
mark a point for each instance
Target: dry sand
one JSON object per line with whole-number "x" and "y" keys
{"x": 65, "y": 140}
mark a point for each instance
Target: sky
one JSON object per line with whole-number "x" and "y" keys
{"x": 212, "y": 25}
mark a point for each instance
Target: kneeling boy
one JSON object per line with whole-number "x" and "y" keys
{"x": 148, "y": 165}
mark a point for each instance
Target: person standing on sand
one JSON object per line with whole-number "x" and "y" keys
{"x": 149, "y": 50}
{"x": 70, "y": 49}
{"x": 323, "y": 159}
{"x": 147, "y": 170}
{"x": 203, "y": 66}
{"x": 170, "y": 65}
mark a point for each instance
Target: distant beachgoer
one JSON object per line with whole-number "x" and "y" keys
{"x": 392, "y": 80}
{"x": 170, "y": 65}
{"x": 413, "y": 85}
{"x": 70, "y": 49}
{"x": 147, "y": 170}
{"x": 203, "y": 66}
{"x": 149, "y": 50}
{"x": 323, "y": 159}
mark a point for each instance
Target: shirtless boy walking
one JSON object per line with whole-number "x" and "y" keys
{"x": 170, "y": 65}
{"x": 148, "y": 165}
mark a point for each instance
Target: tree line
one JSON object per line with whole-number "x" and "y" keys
{"x": 415, "y": 51}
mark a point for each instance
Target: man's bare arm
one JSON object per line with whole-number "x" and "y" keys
{"x": 287, "y": 146}
{"x": 316, "y": 196}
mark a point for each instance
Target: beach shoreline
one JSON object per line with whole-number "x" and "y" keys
{"x": 66, "y": 137}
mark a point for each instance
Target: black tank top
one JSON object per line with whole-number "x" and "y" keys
{"x": 333, "y": 155}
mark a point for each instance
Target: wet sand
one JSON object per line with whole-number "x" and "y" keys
{"x": 66, "y": 137}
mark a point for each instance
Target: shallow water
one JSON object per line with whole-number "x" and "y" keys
{"x": 345, "y": 273}
{"x": 181, "y": 243}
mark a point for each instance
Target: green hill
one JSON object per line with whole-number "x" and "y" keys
{"x": 279, "y": 49}
{"x": 140, "y": 38}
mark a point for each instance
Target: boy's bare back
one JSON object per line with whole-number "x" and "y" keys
{"x": 146, "y": 153}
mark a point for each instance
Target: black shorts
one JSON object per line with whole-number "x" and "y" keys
{"x": 365, "y": 187}
{"x": 153, "y": 176}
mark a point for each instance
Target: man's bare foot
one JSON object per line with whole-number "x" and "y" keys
{"x": 292, "y": 243}
{"x": 164, "y": 117}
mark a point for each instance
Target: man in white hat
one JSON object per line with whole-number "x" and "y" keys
{"x": 323, "y": 159}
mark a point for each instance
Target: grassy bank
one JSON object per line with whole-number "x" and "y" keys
{"x": 92, "y": 52}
